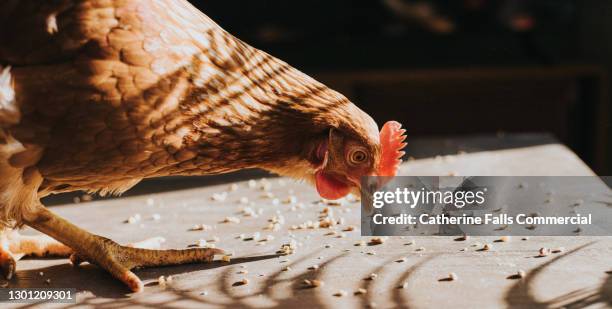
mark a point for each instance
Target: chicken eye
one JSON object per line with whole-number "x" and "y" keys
{"x": 358, "y": 156}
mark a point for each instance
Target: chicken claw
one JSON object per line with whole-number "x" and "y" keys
{"x": 118, "y": 260}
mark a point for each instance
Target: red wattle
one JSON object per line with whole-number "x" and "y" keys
{"x": 330, "y": 188}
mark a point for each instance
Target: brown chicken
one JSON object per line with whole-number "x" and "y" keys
{"x": 97, "y": 95}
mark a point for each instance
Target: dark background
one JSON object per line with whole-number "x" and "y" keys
{"x": 450, "y": 68}
{"x": 461, "y": 75}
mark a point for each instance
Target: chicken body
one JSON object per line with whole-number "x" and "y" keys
{"x": 134, "y": 89}
{"x": 104, "y": 93}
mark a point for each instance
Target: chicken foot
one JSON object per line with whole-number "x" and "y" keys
{"x": 14, "y": 246}
{"x": 118, "y": 260}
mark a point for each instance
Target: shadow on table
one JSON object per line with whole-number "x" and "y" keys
{"x": 95, "y": 280}
{"x": 102, "y": 285}
{"x": 520, "y": 296}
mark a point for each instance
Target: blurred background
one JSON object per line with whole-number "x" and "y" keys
{"x": 461, "y": 75}
{"x": 527, "y": 71}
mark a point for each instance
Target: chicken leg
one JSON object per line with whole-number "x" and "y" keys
{"x": 116, "y": 259}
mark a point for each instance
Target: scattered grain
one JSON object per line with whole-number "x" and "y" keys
{"x": 378, "y": 240}
{"x": 463, "y": 238}
{"x": 248, "y": 212}
{"x": 558, "y": 250}
{"x": 333, "y": 202}
{"x": 288, "y": 248}
{"x": 244, "y": 281}
{"x": 265, "y": 185}
{"x": 200, "y": 227}
{"x": 133, "y": 219}
{"x": 267, "y": 194}
{"x": 201, "y": 243}
{"x": 231, "y": 220}
{"x": 161, "y": 280}
{"x": 290, "y": 200}
{"x": 340, "y": 293}
{"x": 543, "y": 252}
{"x": 313, "y": 283}
{"x": 219, "y": 197}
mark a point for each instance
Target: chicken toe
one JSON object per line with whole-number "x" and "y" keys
{"x": 37, "y": 245}
{"x": 14, "y": 246}
{"x": 149, "y": 243}
{"x": 7, "y": 264}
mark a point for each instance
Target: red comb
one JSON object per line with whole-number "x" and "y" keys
{"x": 391, "y": 143}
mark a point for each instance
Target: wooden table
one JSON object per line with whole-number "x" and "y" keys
{"x": 578, "y": 276}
